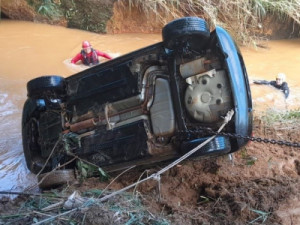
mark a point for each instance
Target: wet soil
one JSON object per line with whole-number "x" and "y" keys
{"x": 259, "y": 185}
{"x": 115, "y": 17}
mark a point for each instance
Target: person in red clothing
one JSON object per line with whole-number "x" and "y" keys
{"x": 88, "y": 55}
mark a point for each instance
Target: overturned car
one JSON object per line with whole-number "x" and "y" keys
{"x": 151, "y": 105}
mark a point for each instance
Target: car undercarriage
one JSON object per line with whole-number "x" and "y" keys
{"x": 151, "y": 105}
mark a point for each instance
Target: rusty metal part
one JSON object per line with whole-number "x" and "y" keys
{"x": 159, "y": 149}
{"x": 83, "y": 125}
{"x": 92, "y": 122}
{"x": 86, "y": 116}
{"x": 89, "y": 120}
{"x": 148, "y": 93}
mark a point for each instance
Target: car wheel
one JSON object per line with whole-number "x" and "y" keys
{"x": 53, "y": 86}
{"x": 192, "y": 30}
{"x": 30, "y": 136}
{"x": 56, "y": 178}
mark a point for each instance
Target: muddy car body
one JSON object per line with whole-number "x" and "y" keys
{"x": 142, "y": 107}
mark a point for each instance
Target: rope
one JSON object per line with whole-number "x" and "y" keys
{"x": 155, "y": 176}
{"x": 106, "y": 110}
{"x": 49, "y": 157}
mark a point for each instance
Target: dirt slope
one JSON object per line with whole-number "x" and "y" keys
{"x": 261, "y": 183}
{"x": 259, "y": 186}
{"x": 106, "y": 16}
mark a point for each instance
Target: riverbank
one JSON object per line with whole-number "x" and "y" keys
{"x": 260, "y": 185}
{"x": 247, "y": 21}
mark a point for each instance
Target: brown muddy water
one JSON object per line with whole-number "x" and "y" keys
{"x": 29, "y": 50}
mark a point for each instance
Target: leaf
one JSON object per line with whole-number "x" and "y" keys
{"x": 102, "y": 172}
{"x": 84, "y": 172}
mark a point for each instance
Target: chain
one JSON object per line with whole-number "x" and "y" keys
{"x": 232, "y": 135}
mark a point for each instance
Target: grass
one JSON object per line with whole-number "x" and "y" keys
{"x": 272, "y": 117}
{"x": 263, "y": 216}
{"x": 49, "y": 9}
{"x": 248, "y": 159}
{"x": 237, "y": 16}
{"x": 241, "y": 18}
{"x": 126, "y": 209}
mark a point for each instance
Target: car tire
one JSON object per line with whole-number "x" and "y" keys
{"x": 53, "y": 86}
{"x": 188, "y": 29}
{"x": 56, "y": 178}
{"x": 31, "y": 148}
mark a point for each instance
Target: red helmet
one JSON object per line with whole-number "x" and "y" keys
{"x": 86, "y": 44}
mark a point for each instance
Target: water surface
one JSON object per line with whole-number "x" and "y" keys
{"x": 29, "y": 50}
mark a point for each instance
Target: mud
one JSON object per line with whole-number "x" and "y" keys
{"x": 115, "y": 17}
{"x": 259, "y": 185}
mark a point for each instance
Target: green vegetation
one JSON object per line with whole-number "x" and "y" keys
{"x": 263, "y": 216}
{"x": 243, "y": 19}
{"x": 240, "y": 17}
{"x": 272, "y": 116}
{"x": 248, "y": 159}
{"x": 79, "y": 14}
{"x": 86, "y": 170}
{"x": 85, "y": 208}
{"x": 47, "y": 8}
